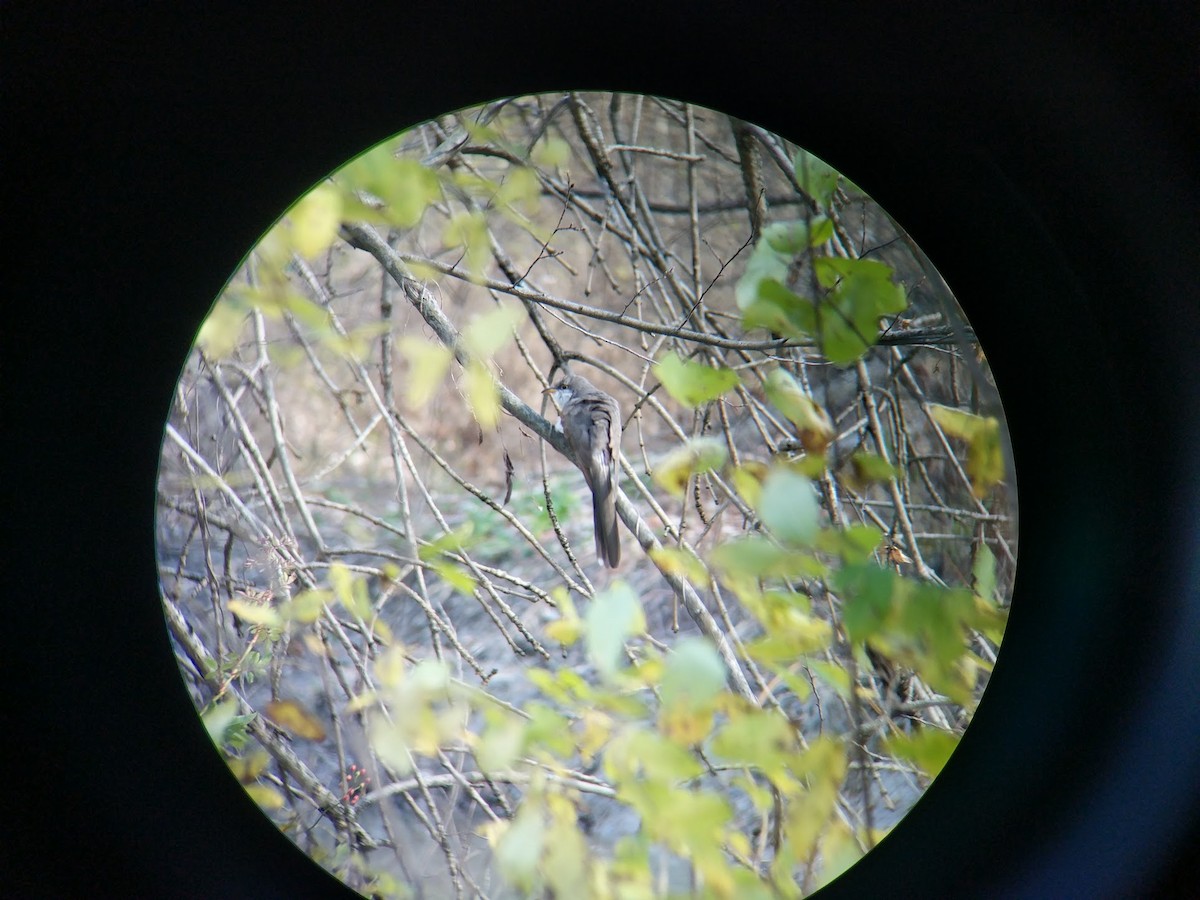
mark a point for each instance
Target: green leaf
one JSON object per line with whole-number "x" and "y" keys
{"x": 757, "y": 557}
{"x": 306, "y": 606}
{"x": 350, "y": 591}
{"x": 788, "y": 507}
{"x": 520, "y": 189}
{"x": 861, "y": 292}
{"x": 803, "y": 635}
{"x": 794, "y": 238}
{"x": 748, "y": 480}
{"x": 677, "y": 561}
{"x": 293, "y": 717}
{"x": 855, "y": 544}
{"x": 776, "y": 309}
{"x": 406, "y": 186}
{"x": 548, "y": 730}
{"x": 867, "y": 592}
{"x": 453, "y": 541}
{"x": 693, "y": 383}
{"x": 455, "y": 575}
{"x": 639, "y": 751}
{"x": 265, "y": 796}
{"x": 870, "y": 468}
{"x": 759, "y": 738}
{"x": 764, "y": 265}
{"x": 564, "y": 863}
{"x": 694, "y": 673}
{"x": 833, "y": 675}
{"x": 823, "y": 766}
{"x": 983, "y": 572}
{"x": 613, "y": 616}
{"x": 928, "y": 749}
{"x": 787, "y": 622}
{"x": 816, "y": 178}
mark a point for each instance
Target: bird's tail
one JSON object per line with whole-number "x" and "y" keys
{"x": 604, "y": 520}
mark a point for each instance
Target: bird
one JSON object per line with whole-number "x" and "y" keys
{"x": 591, "y": 422}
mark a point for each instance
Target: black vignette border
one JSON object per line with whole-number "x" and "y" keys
{"x": 148, "y": 152}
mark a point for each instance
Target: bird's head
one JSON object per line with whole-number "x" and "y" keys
{"x": 564, "y": 390}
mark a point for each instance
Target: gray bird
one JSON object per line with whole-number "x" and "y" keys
{"x": 591, "y": 423}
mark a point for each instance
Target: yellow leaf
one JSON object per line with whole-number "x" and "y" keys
{"x": 246, "y": 768}
{"x": 597, "y": 728}
{"x": 255, "y": 613}
{"x": 291, "y": 716}
{"x": 428, "y": 364}
{"x": 684, "y": 725}
{"x": 468, "y": 230}
{"x": 702, "y": 454}
{"x": 985, "y": 459}
{"x": 565, "y": 631}
{"x": 307, "y": 606}
{"x": 391, "y": 667}
{"x": 218, "y": 336}
{"x": 315, "y": 220}
{"x": 677, "y": 561}
{"x": 362, "y": 701}
{"x": 748, "y": 480}
{"x": 482, "y": 395}
{"x": 265, "y": 796}
{"x": 380, "y": 629}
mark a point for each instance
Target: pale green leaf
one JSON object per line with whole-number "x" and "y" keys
{"x": 693, "y": 383}
{"x": 613, "y": 616}
{"x": 694, "y": 673}
{"x": 428, "y": 363}
{"x": 520, "y": 847}
{"x": 500, "y": 744}
{"x": 788, "y": 507}
{"x": 489, "y": 331}
{"x": 794, "y": 238}
{"x": 552, "y": 152}
{"x": 218, "y": 718}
